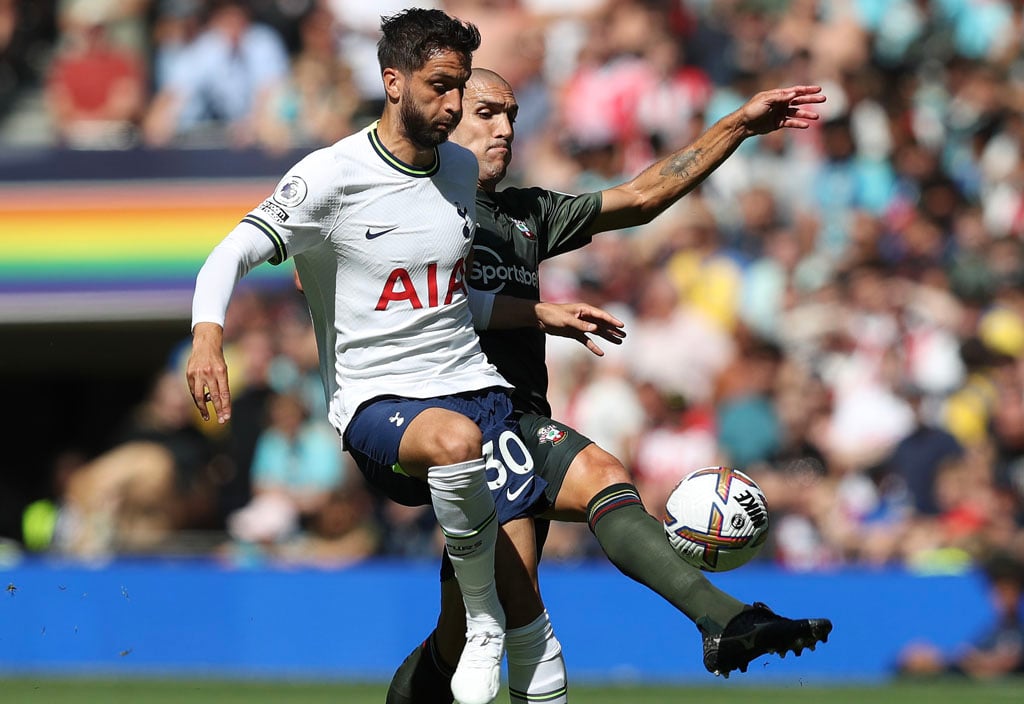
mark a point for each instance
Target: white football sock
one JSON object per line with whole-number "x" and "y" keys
{"x": 536, "y": 669}
{"x": 465, "y": 511}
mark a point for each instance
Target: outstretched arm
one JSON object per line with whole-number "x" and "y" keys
{"x": 663, "y": 183}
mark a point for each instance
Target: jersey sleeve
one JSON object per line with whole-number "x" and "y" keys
{"x": 235, "y": 256}
{"x": 568, "y": 219}
{"x": 303, "y": 209}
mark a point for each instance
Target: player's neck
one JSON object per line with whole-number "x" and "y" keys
{"x": 394, "y": 139}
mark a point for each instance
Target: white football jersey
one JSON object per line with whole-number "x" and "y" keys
{"x": 380, "y": 247}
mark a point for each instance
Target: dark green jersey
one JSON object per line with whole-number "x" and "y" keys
{"x": 517, "y": 229}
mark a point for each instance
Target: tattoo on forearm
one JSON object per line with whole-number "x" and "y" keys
{"x": 681, "y": 165}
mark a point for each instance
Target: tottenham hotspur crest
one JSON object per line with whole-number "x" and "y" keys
{"x": 552, "y": 434}
{"x": 469, "y": 226}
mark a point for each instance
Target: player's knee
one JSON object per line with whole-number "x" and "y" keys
{"x": 595, "y": 469}
{"x": 608, "y": 471}
{"x": 457, "y": 440}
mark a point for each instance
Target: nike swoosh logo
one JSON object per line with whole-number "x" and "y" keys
{"x": 513, "y": 495}
{"x": 370, "y": 235}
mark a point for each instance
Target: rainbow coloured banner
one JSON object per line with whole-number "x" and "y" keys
{"x": 118, "y": 250}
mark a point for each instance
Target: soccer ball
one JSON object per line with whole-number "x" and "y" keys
{"x": 716, "y": 518}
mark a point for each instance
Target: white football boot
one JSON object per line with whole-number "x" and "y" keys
{"x": 478, "y": 675}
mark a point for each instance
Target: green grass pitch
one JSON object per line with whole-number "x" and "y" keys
{"x": 135, "y": 691}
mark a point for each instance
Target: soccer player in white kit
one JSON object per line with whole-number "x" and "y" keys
{"x": 380, "y": 225}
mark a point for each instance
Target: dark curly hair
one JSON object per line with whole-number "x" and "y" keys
{"x": 411, "y": 37}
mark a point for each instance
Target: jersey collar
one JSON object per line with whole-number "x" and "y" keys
{"x": 396, "y": 163}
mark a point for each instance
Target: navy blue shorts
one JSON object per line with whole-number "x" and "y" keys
{"x": 375, "y": 433}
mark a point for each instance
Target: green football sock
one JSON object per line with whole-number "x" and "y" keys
{"x": 636, "y": 543}
{"x": 422, "y": 678}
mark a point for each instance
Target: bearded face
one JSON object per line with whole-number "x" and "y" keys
{"x": 422, "y": 130}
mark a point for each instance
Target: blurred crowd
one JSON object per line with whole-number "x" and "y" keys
{"x": 837, "y": 311}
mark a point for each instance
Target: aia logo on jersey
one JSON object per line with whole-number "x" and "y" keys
{"x": 524, "y": 228}
{"x": 400, "y": 286}
{"x": 552, "y": 434}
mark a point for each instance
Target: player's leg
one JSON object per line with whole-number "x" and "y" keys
{"x": 445, "y": 447}
{"x": 587, "y": 483}
{"x": 430, "y": 440}
{"x": 440, "y": 441}
{"x": 536, "y": 667}
{"x": 598, "y": 489}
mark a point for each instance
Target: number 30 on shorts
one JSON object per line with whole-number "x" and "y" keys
{"x": 512, "y": 456}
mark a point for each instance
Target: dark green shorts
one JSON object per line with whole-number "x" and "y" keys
{"x": 554, "y": 446}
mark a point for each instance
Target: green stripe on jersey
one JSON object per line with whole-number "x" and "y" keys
{"x": 399, "y": 165}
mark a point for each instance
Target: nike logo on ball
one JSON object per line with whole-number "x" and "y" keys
{"x": 513, "y": 495}
{"x": 370, "y": 235}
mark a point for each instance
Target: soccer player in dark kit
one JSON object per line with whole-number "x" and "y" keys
{"x": 517, "y": 229}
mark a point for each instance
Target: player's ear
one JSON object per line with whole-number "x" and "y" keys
{"x": 393, "y": 83}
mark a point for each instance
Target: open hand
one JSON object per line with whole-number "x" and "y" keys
{"x": 775, "y": 109}
{"x": 578, "y": 321}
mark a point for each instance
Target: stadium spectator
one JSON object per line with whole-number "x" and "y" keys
{"x": 746, "y": 420}
{"x": 121, "y": 502}
{"x": 175, "y": 27}
{"x": 671, "y": 108}
{"x": 296, "y": 466}
{"x": 22, "y": 39}
{"x": 317, "y": 104}
{"x": 998, "y": 650}
{"x": 844, "y": 183}
{"x": 967, "y": 411}
{"x": 702, "y": 348}
{"x": 218, "y": 81}
{"x": 342, "y": 531}
{"x": 165, "y": 418}
{"x": 155, "y": 478}
{"x": 95, "y": 88}
{"x": 705, "y": 272}
{"x": 125, "y": 20}
{"x": 513, "y": 45}
{"x": 918, "y": 458}
{"x": 677, "y": 435}
{"x": 771, "y": 283}
{"x": 600, "y": 399}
